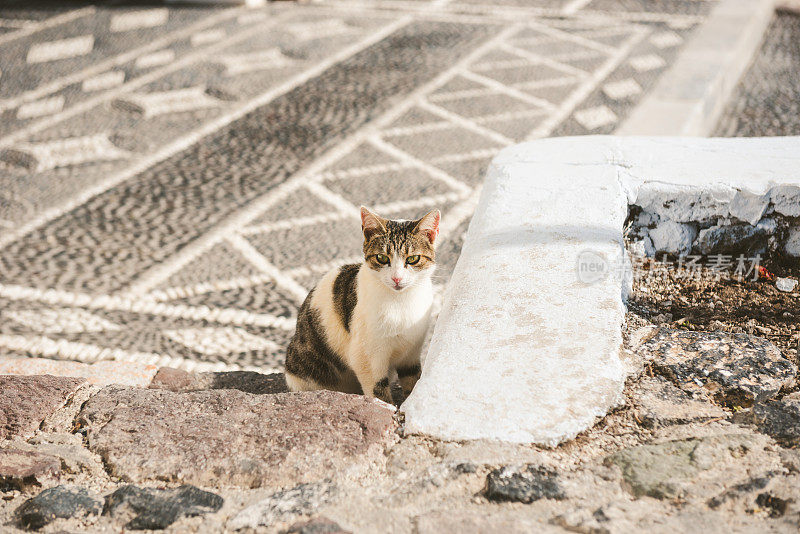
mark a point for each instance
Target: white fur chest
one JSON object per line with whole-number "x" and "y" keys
{"x": 402, "y": 316}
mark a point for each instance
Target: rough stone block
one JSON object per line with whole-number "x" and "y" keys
{"x": 247, "y": 381}
{"x": 737, "y": 369}
{"x": 526, "y": 345}
{"x": 777, "y": 418}
{"x": 227, "y": 437}
{"x": 22, "y": 469}
{"x": 448, "y": 521}
{"x": 156, "y": 509}
{"x": 667, "y": 470}
{"x": 61, "y": 502}
{"x": 523, "y": 484}
{"x": 284, "y": 506}
{"x": 67, "y": 448}
{"x": 27, "y": 400}
{"x": 659, "y": 403}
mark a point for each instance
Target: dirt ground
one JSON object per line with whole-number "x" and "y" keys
{"x": 707, "y": 299}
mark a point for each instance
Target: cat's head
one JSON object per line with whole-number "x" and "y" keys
{"x": 400, "y": 253}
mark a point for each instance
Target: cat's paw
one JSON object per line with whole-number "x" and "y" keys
{"x": 398, "y": 395}
{"x": 408, "y": 378}
{"x": 383, "y": 390}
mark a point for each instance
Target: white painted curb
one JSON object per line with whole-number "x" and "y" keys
{"x": 690, "y": 97}
{"x": 526, "y": 347}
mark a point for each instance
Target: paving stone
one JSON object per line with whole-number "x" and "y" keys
{"x": 470, "y": 171}
{"x": 515, "y": 129}
{"x": 459, "y": 83}
{"x": 449, "y": 521}
{"x": 478, "y": 106}
{"x": 659, "y": 403}
{"x": 27, "y": 400}
{"x": 523, "y": 484}
{"x": 99, "y": 373}
{"x": 643, "y": 516}
{"x": 319, "y": 525}
{"x": 61, "y": 502}
{"x": 667, "y": 470}
{"x": 247, "y": 381}
{"x": 791, "y": 459}
{"x": 737, "y": 369}
{"x": 524, "y": 74}
{"x": 777, "y": 418}
{"x": 737, "y": 490}
{"x": 67, "y": 448}
{"x": 227, "y": 437}
{"x": 61, "y": 321}
{"x": 156, "y": 509}
{"x": 284, "y": 506}
{"x": 366, "y": 155}
{"x": 22, "y": 469}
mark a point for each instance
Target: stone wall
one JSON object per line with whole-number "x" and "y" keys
{"x": 693, "y": 225}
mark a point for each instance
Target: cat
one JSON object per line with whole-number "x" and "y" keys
{"x": 361, "y": 329}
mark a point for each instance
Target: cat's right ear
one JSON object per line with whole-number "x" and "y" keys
{"x": 371, "y": 223}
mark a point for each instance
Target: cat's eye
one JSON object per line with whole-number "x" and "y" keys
{"x": 412, "y": 260}
{"x": 382, "y": 259}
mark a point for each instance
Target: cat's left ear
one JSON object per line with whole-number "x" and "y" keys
{"x": 429, "y": 225}
{"x": 371, "y": 223}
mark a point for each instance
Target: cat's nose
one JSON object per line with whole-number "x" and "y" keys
{"x": 396, "y": 280}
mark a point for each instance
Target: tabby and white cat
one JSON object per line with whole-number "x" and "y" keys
{"x": 361, "y": 329}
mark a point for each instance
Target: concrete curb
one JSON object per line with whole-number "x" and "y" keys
{"x": 526, "y": 347}
{"x": 691, "y": 95}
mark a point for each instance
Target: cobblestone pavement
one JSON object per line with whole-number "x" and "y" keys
{"x": 174, "y": 180}
{"x": 766, "y": 100}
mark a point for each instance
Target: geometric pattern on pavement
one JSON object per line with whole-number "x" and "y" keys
{"x": 172, "y": 197}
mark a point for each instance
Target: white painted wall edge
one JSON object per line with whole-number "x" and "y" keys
{"x": 690, "y": 97}
{"x": 525, "y": 350}
{"x": 754, "y": 164}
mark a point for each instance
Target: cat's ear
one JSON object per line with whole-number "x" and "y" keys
{"x": 371, "y": 223}
{"x": 429, "y": 225}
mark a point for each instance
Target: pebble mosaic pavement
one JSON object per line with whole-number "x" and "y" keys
{"x": 766, "y": 103}
{"x": 174, "y": 180}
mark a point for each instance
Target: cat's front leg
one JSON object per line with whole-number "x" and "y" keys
{"x": 408, "y": 368}
{"x": 371, "y": 366}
